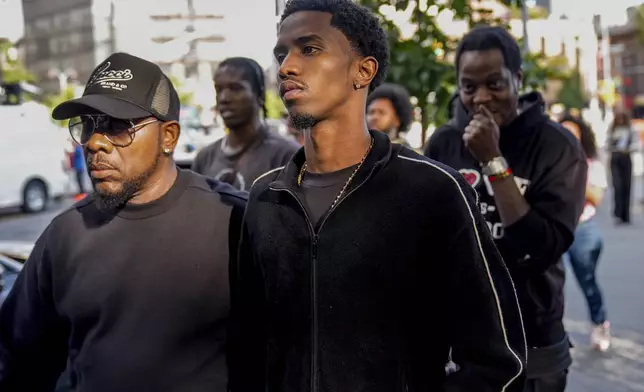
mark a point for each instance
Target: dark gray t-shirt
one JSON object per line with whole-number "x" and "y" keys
{"x": 269, "y": 151}
{"x": 319, "y": 190}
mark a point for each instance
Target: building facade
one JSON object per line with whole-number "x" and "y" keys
{"x": 624, "y": 80}
{"x": 60, "y": 41}
{"x": 65, "y": 39}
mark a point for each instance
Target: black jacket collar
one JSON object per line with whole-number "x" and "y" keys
{"x": 378, "y": 157}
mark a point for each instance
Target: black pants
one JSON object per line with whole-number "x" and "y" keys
{"x": 621, "y": 167}
{"x": 550, "y": 383}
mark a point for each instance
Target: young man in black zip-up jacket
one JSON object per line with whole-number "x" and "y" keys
{"x": 530, "y": 175}
{"x": 355, "y": 275}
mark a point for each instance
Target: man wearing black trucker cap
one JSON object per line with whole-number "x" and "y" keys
{"x": 131, "y": 284}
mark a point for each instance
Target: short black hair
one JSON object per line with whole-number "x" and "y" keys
{"x": 400, "y": 100}
{"x": 491, "y": 37}
{"x": 253, "y": 74}
{"x": 357, "y": 23}
{"x": 587, "y": 136}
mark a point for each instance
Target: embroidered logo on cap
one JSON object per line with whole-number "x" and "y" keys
{"x": 110, "y": 78}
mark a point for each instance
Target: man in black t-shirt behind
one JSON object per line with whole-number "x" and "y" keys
{"x": 251, "y": 148}
{"x": 131, "y": 284}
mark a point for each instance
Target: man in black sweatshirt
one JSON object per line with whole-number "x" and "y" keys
{"x": 355, "y": 275}
{"x": 530, "y": 175}
{"x": 131, "y": 284}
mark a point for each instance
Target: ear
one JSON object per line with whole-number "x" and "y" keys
{"x": 519, "y": 80}
{"x": 170, "y": 132}
{"x": 367, "y": 70}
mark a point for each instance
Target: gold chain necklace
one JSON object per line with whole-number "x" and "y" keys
{"x": 346, "y": 184}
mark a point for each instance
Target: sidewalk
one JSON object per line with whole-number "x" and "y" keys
{"x": 620, "y": 273}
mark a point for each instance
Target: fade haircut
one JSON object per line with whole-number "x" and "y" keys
{"x": 358, "y": 24}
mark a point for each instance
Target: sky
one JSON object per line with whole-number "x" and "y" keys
{"x": 11, "y": 20}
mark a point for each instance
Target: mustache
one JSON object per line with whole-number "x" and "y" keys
{"x": 291, "y": 83}
{"x": 98, "y": 162}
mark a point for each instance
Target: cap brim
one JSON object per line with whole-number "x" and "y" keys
{"x": 93, "y": 104}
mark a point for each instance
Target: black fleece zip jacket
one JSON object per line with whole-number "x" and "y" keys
{"x": 399, "y": 271}
{"x": 549, "y": 168}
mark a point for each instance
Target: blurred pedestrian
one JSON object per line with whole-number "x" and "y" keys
{"x": 530, "y": 175}
{"x": 78, "y": 160}
{"x": 250, "y": 148}
{"x": 354, "y": 274}
{"x": 622, "y": 143}
{"x": 586, "y": 249}
{"x": 389, "y": 110}
{"x": 131, "y": 283}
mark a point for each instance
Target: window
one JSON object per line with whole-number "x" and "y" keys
{"x": 75, "y": 41}
{"x": 61, "y": 21}
{"x": 80, "y": 17}
{"x": 87, "y": 40}
{"x": 63, "y": 44}
{"x": 42, "y": 26}
{"x": 43, "y": 48}
{"x": 53, "y": 46}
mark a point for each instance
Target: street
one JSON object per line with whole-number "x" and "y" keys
{"x": 620, "y": 275}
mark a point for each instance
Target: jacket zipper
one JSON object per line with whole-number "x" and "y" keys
{"x": 314, "y": 319}
{"x": 314, "y": 316}
{"x": 314, "y": 281}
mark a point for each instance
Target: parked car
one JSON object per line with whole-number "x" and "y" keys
{"x": 13, "y": 255}
{"x": 33, "y": 162}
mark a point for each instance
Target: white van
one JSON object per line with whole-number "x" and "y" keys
{"x": 33, "y": 162}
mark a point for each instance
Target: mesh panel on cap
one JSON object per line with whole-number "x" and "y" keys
{"x": 161, "y": 99}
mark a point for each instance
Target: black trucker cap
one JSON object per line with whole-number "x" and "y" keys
{"x": 125, "y": 87}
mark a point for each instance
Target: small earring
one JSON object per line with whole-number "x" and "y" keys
{"x": 357, "y": 86}
{"x": 166, "y": 151}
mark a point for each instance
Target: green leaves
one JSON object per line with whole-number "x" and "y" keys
{"x": 274, "y": 106}
{"x": 572, "y": 94}
{"x": 420, "y": 62}
{"x": 54, "y": 100}
{"x": 12, "y": 71}
{"x": 185, "y": 97}
{"x": 538, "y": 69}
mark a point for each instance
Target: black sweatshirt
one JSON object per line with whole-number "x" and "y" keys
{"x": 139, "y": 301}
{"x": 550, "y": 170}
{"x": 398, "y": 272}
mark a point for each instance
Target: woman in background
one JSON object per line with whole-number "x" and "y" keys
{"x": 622, "y": 142}
{"x": 587, "y": 246}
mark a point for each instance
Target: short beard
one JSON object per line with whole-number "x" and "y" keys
{"x": 107, "y": 202}
{"x": 302, "y": 122}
